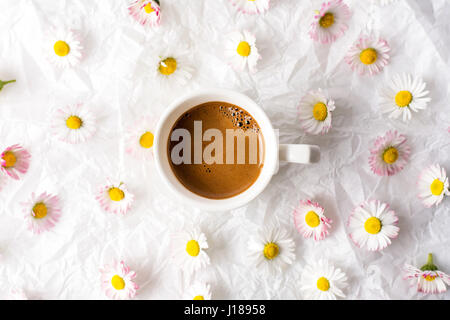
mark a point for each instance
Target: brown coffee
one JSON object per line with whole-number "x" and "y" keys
{"x": 227, "y": 172}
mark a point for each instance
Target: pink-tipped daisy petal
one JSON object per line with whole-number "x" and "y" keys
{"x": 15, "y": 161}
{"x": 330, "y": 22}
{"x": 41, "y": 212}
{"x": 114, "y": 197}
{"x": 368, "y": 55}
{"x": 146, "y": 12}
{"x": 310, "y": 220}
{"x": 428, "y": 279}
{"x": 389, "y": 154}
{"x": 117, "y": 281}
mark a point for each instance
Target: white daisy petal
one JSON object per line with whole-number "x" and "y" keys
{"x": 241, "y": 51}
{"x": 433, "y": 185}
{"x": 374, "y": 232}
{"x": 188, "y": 250}
{"x": 322, "y": 281}
{"x": 63, "y": 48}
{"x": 73, "y": 123}
{"x": 271, "y": 250}
{"x": 315, "y": 112}
{"x": 404, "y": 94}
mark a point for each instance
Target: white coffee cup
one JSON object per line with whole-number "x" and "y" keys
{"x": 273, "y": 152}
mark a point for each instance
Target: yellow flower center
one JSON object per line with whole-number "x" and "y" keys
{"x": 368, "y": 56}
{"x": 436, "y": 187}
{"x": 74, "y": 122}
{"x": 40, "y": 210}
{"x": 372, "y": 225}
{"x": 327, "y": 20}
{"x": 312, "y": 219}
{"x": 403, "y": 98}
{"x": 193, "y": 248}
{"x": 323, "y": 284}
{"x": 117, "y": 282}
{"x": 61, "y": 48}
{"x": 429, "y": 277}
{"x": 115, "y": 194}
{"x": 199, "y": 298}
{"x": 390, "y": 155}
{"x": 168, "y": 66}
{"x": 148, "y": 8}
{"x": 320, "y": 111}
{"x": 243, "y": 49}
{"x": 10, "y": 159}
{"x": 146, "y": 140}
{"x": 271, "y": 250}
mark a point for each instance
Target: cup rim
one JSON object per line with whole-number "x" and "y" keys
{"x": 270, "y": 163}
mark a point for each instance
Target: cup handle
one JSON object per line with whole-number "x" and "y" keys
{"x": 299, "y": 153}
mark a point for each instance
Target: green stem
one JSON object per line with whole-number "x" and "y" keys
{"x": 2, "y": 83}
{"x": 429, "y": 266}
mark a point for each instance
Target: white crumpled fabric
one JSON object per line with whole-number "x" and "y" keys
{"x": 64, "y": 263}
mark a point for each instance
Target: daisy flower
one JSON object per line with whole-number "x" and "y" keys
{"x": 41, "y": 212}
{"x": 373, "y": 225}
{"x": 188, "y": 249}
{"x": 198, "y": 291}
{"x": 115, "y": 197}
{"x": 63, "y": 48}
{"x": 368, "y": 55}
{"x": 73, "y": 123}
{"x": 314, "y": 112}
{"x": 271, "y": 250}
{"x": 322, "y": 281}
{"x": 117, "y": 281}
{"x": 389, "y": 154}
{"x": 251, "y": 6}
{"x": 330, "y": 22}
{"x": 140, "y": 138}
{"x": 15, "y": 160}
{"x": 169, "y": 61}
{"x": 403, "y": 94}
{"x": 433, "y": 185}
{"x": 428, "y": 278}
{"x": 146, "y": 12}
{"x": 241, "y": 51}
{"x": 310, "y": 221}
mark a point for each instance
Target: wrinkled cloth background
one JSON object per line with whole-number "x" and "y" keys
{"x": 63, "y": 263}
